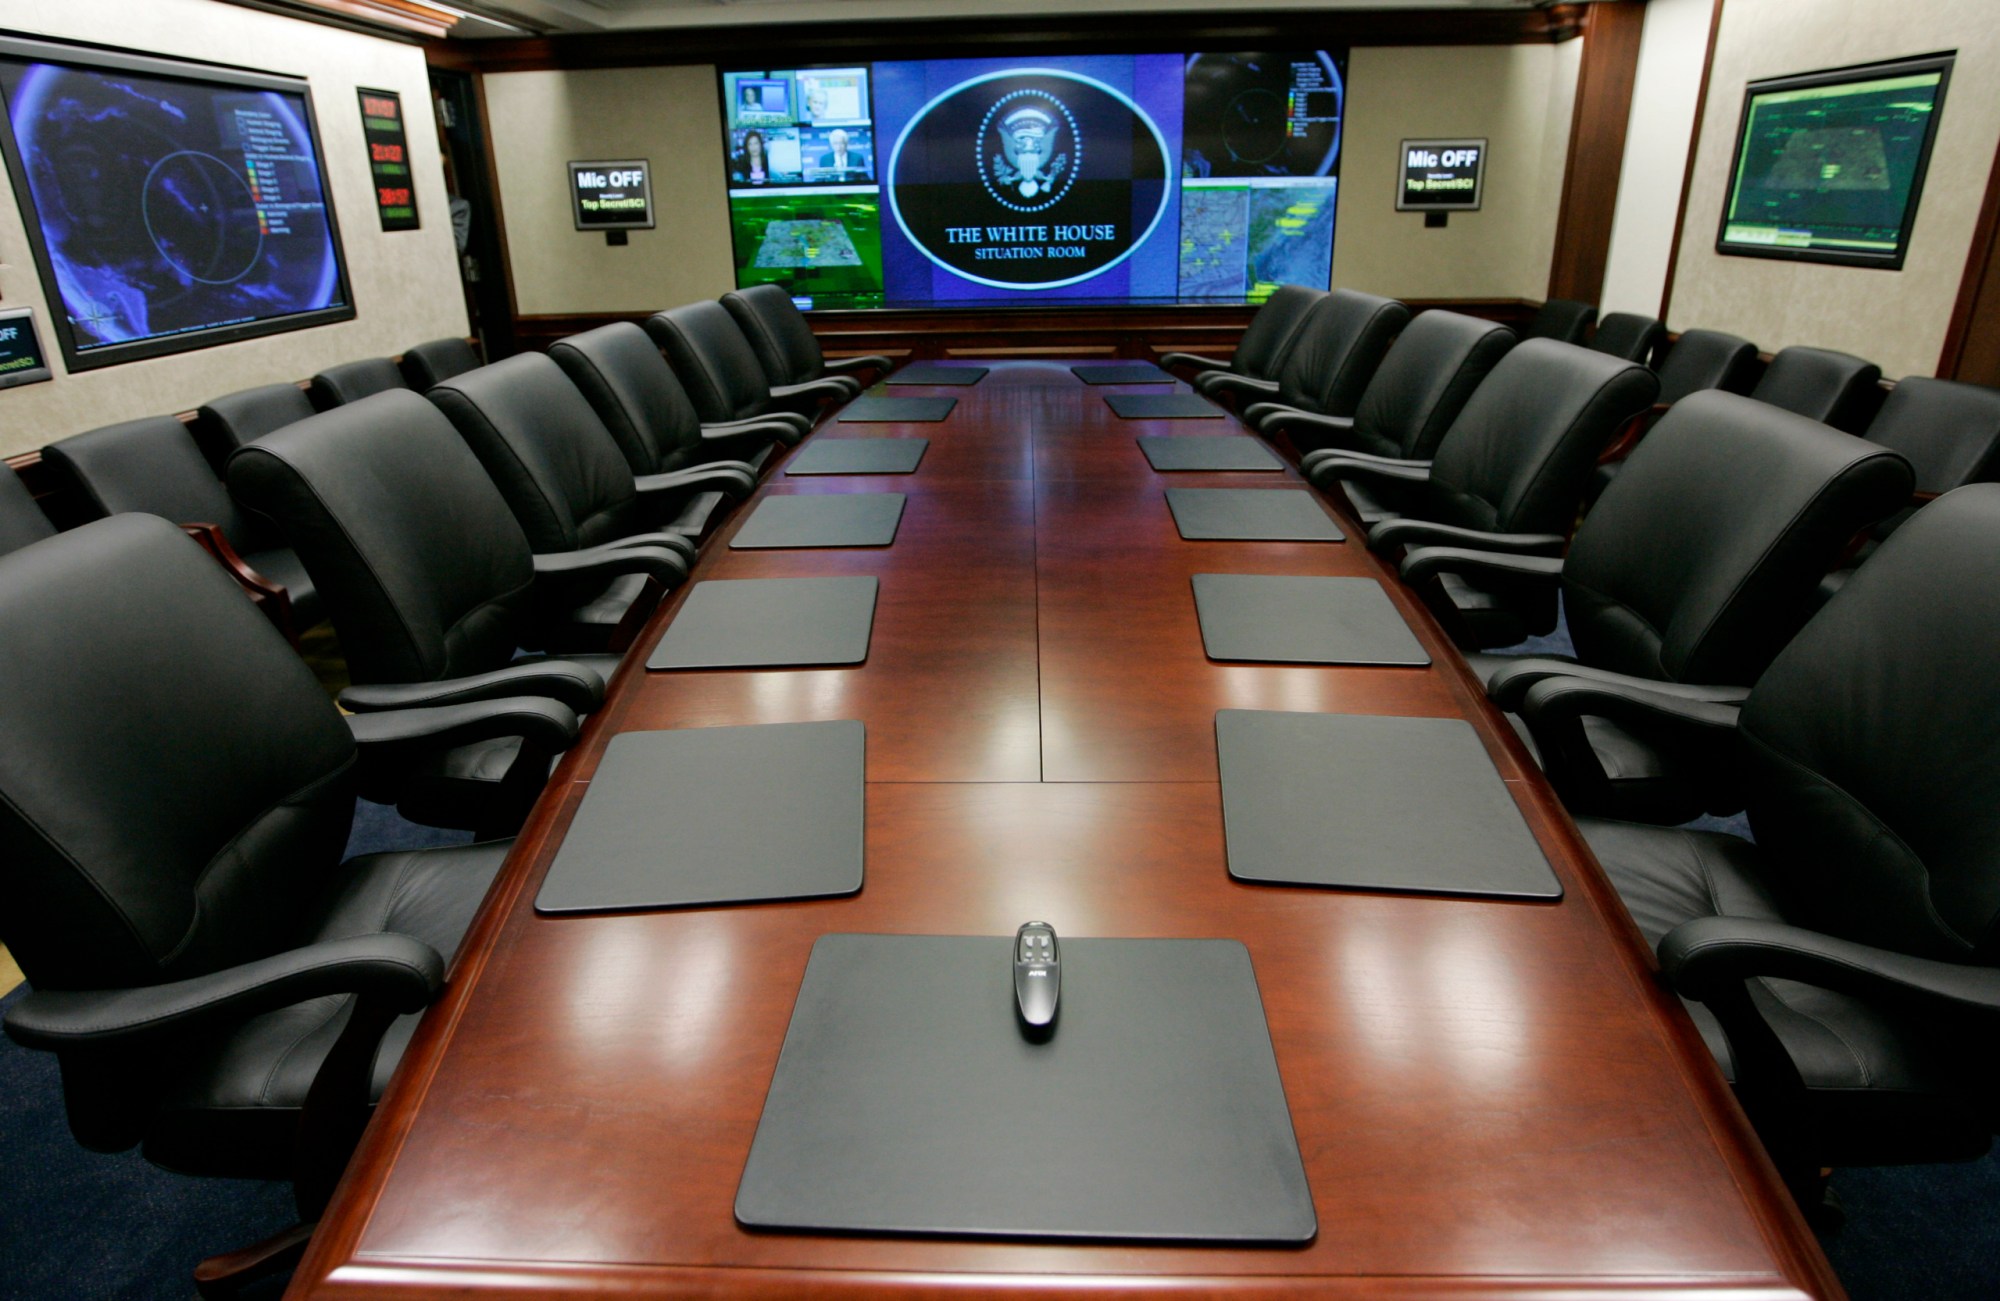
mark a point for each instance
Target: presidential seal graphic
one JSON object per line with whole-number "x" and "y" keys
{"x": 1033, "y": 150}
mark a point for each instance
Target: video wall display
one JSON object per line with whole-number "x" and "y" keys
{"x": 170, "y": 205}
{"x": 1829, "y": 166}
{"x": 1083, "y": 179}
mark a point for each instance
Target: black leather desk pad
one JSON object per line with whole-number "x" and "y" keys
{"x": 907, "y": 1100}
{"x": 1286, "y": 620}
{"x": 874, "y": 410}
{"x": 1167, "y": 452}
{"x": 844, "y": 519}
{"x": 1121, "y": 372}
{"x": 859, "y": 456}
{"x": 686, "y": 818}
{"x": 1251, "y": 515}
{"x": 930, "y": 372}
{"x": 1162, "y": 406}
{"x": 1372, "y": 803}
{"x": 747, "y": 623}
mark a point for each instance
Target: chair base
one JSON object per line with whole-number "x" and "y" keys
{"x": 225, "y": 1275}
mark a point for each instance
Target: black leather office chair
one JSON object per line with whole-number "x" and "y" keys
{"x": 1510, "y": 471}
{"x": 1697, "y": 567}
{"x": 226, "y": 423}
{"x": 784, "y": 342}
{"x": 1820, "y": 384}
{"x": 1563, "y": 319}
{"x": 647, "y": 411}
{"x": 1630, "y": 335}
{"x": 1429, "y": 375}
{"x": 152, "y": 466}
{"x": 1842, "y": 967}
{"x": 436, "y": 361}
{"x": 21, "y": 518}
{"x": 1706, "y": 359}
{"x": 1342, "y": 340}
{"x": 1266, "y": 342}
{"x": 354, "y": 380}
{"x": 720, "y": 370}
{"x": 431, "y": 586}
{"x": 175, "y": 792}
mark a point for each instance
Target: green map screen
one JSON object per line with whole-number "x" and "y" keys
{"x": 1829, "y": 166}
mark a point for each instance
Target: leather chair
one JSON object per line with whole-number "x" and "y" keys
{"x": 1821, "y": 384}
{"x": 1563, "y": 319}
{"x": 1699, "y": 564}
{"x": 1342, "y": 340}
{"x": 21, "y": 519}
{"x": 1427, "y": 378}
{"x": 720, "y": 369}
{"x": 1842, "y": 967}
{"x": 152, "y": 466}
{"x": 354, "y": 380}
{"x": 641, "y": 402}
{"x": 1629, "y": 335}
{"x": 235, "y": 419}
{"x": 1948, "y": 430}
{"x": 1510, "y": 471}
{"x": 1706, "y": 359}
{"x": 175, "y": 792}
{"x": 1260, "y": 354}
{"x": 431, "y": 586}
{"x": 784, "y": 342}
{"x": 437, "y": 361}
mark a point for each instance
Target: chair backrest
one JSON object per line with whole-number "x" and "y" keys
{"x": 175, "y": 786}
{"x": 635, "y": 393}
{"x": 1704, "y": 556}
{"x": 777, "y": 332}
{"x": 1338, "y": 346}
{"x": 713, "y": 360}
{"x": 422, "y": 566}
{"x": 351, "y": 381}
{"x": 1866, "y": 749}
{"x": 1563, "y": 319}
{"x": 1272, "y": 331}
{"x": 21, "y": 519}
{"x": 1629, "y": 335}
{"x": 226, "y": 423}
{"x": 437, "y": 360}
{"x": 1821, "y": 384}
{"x": 551, "y": 457}
{"x": 1516, "y": 458}
{"x": 1706, "y": 359}
{"x": 1429, "y": 375}
{"x": 1948, "y": 430}
{"x": 151, "y": 466}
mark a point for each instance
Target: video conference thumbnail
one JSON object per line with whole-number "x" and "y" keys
{"x": 800, "y": 127}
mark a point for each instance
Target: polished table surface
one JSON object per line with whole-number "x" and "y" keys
{"x": 1491, "y": 1098}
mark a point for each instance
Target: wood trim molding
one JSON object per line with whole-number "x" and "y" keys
{"x": 1598, "y": 124}
{"x": 1687, "y": 172}
{"x": 1972, "y": 343}
{"x": 402, "y": 19}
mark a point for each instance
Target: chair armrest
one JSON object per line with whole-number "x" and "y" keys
{"x": 1285, "y": 419}
{"x": 792, "y": 420}
{"x": 1511, "y": 682}
{"x": 547, "y": 724}
{"x": 651, "y": 557}
{"x": 401, "y": 971}
{"x": 680, "y": 544}
{"x": 1243, "y": 386}
{"x": 732, "y": 478}
{"x": 846, "y": 365}
{"x": 834, "y": 388}
{"x": 1406, "y": 532}
{"x": 1710, "y": 954}
{"x": 1644, "y": 709}
{"x": 1257, "y": 413}
{"x": 576, "y": 685}
{"x": 735, "y": 446}
{"x": 1422, "y": 563}
{"x": 1207, "y": 365}
{"x": 1354, "y": 465}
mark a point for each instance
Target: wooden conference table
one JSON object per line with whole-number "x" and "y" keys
{"x": 1491, "y": 1098}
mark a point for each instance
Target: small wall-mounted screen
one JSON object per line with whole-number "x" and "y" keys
{"x": 170, "y": 205}
{"x": 1830, "y": 166}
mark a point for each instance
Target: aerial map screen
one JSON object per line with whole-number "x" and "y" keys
{"x": 1829, "y": 166}
{"x": 1083, "y": 179}
{"x": 172, "y": 206}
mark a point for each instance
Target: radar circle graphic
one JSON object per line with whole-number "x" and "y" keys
{"x": 202, "y": 217}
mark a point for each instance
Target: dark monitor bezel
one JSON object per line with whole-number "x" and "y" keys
{"x": 22, "y": 49}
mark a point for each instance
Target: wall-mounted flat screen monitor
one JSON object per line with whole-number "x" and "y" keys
{"x": 170, "y": 205}
{"x": 1829, "y": 166}
{"x": 1061, "y": 179}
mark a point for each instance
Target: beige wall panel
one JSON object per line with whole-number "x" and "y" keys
{"x": 405, "y": 285}
{"x": 542, "y": 120}
{"x": 1671, "y": 49}
{"x": 1518, "y": 97}
{"x": 1896, "y": 318}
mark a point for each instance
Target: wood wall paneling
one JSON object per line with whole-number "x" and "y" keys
{"x": 1972, "y": 345}
{"x": 1687, "y": 173}
{"x": 1596, "y": 150}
